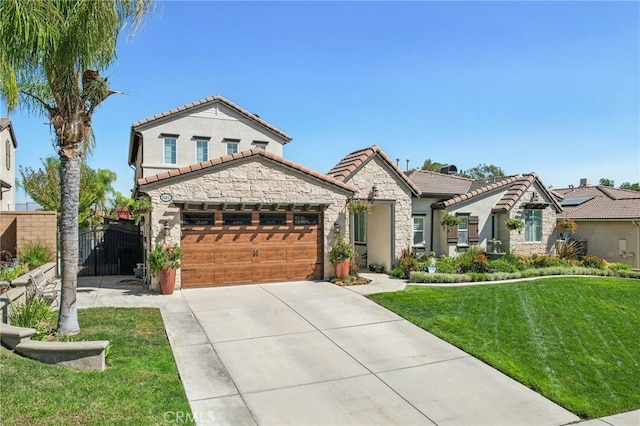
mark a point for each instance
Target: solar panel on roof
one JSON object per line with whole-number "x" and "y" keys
{"x": 576, "y": 200}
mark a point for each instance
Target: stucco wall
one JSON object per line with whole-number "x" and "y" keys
{"x": 17, "y": 229}
{"x": 607, "y": 239}
{"x": 7, "y": 174}
{"x": 216, "y": 122}
{"x": 393, "y": 192}
{"x": 253, "y": 181}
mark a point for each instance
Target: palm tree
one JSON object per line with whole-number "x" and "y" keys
{"x": 51, "y": 52}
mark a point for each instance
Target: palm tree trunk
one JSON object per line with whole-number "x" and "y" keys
{"x": 70, "y": 186}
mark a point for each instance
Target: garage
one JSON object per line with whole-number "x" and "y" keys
{"x": 262, "y": 245}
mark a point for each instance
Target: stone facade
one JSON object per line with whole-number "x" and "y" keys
{"x": 257, "y": 180}
{"x": 394, "y": 193}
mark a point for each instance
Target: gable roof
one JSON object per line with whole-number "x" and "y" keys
{"x": 515, "y": 187}
{"x": 354, "y": 161}
{"x": 439, "y": 185}
{"x": 211, "y": 100}
{"x": 5, "y": 123}
{"x": 241, "y": 156}
{"x": 600, "y": 203}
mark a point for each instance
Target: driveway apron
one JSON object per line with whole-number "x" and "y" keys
{"x": 312, "y": 353}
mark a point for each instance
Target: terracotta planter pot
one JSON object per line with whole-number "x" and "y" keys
{"x": 342, "y": 268}
{"x": 167, "y": 281}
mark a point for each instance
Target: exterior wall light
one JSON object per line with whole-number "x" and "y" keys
{"x": 336, "y": 227}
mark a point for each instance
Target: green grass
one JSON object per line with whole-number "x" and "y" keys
{"x": 575, "y": 340}
{"x": 138, "y": 387}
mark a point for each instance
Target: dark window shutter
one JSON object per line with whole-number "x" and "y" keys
{"x": 452, "y": 234}
{"x": 473, "y": 229}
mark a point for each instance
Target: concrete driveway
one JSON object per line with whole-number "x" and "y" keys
{"x": 314, "y": 353}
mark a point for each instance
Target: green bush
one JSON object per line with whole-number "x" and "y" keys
{"x": 472, "y": 260}
{"x": 446, "y": 265}
{"x": 425, "y": 277}
{"x": 10, "y": 273}
{"x": 619, "y": 266}
{"x": 594, "y": 262}
{"x": 517, "y": 261}
{"x": 35, "y": 254}
{"x": 397, "y": 272}
{"x": 500, "y": 265}
{"x": 34, "y": 313}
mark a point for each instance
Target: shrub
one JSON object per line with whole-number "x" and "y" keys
{"x": 446, "y": 265}
{"x": 516, "y": 261}
{"x": 594, "y": 262}
{"x": 425, "y": 277}
{"x": 10, "y": 273}
{"x": 619, "y": 266}
{"x": 35, "y": 254}
{"x": 34, "y": 313}
{"x": 568, "y": 249}
{"x": 397, "y": 272}
{"x": 500, "y": 265}
{"x": 472, "y": 260}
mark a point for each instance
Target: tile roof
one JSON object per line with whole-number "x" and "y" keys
{"x": 439, "y": 184}
{"x": 209, "y": 100}
{"x": 255, "y": 152}
{"x": 606, "y": 203}
{"x": 515, "y": 187}
{"x": 5, "y": 123}
{"x": 354, "y": 161}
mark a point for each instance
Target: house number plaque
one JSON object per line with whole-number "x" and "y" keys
{"x": 166, "y": 197}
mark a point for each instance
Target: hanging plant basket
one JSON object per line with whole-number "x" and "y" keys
{"x": 356, "y": 207}
{"x": 515, "y": 224}
{"x": 450, "y": 220}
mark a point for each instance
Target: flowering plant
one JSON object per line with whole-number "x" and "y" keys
{"x": 567, "y": 225}
{"x": 356, "y": 207}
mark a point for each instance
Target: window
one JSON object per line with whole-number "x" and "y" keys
{"x": 418, "y": 231}
{"x": 463, "y": 231}
{"x": 533, "y": 225}
{"x": 232, "y": 146}
{"x": 197, "y": 219}
{"x": 236, "y": 218}
{"x": 305, "y": 219}
{"x": 202, "y": 151}
{"x": 360, "y": 228}
{"x": 260, "y": 145}
{"x": 170, "y": 150}
{"x": 273, "y": 218}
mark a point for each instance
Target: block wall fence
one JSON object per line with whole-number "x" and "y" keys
{"x": 17, "y": 229}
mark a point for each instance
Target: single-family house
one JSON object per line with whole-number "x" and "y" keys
{"x": 483, "y": 209}
{"x": 8, "y": 145}
{"x": 608, "y": 220}
{"x": 242, "y": 213}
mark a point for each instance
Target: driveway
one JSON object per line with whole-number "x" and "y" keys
{"x": 314, "y": 353}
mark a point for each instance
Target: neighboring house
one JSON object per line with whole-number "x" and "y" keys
{"x": 608, "y": 220}
{"x": 8, "y": 145}
{"x": 197, "y": 132}
{"x": 484, "y": 206}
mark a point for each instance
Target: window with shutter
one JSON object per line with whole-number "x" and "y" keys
{"x": 452, "y": 234}
{"x": 474, "y": 222}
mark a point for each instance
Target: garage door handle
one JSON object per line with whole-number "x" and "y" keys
{"x": 255, "y": 253}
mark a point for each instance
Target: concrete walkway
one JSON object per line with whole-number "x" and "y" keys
{"x": 315, "y": 353}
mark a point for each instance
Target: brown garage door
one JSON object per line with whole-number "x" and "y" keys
{"x": 227, "y": 248}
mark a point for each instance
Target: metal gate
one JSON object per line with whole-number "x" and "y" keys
{"x": 113, "y": 249}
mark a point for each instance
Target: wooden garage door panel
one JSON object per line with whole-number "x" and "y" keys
{"x": 220, "y": 255}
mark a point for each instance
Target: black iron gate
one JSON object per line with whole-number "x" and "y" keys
{"x": 113, "y": 249}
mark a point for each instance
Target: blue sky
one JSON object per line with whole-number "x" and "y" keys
{"x": 545, "y": 87}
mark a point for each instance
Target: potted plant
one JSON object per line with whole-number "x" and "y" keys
{"x": 450, "y": 220}
{"x": 163, "y": 262}
{"x": 356, "y": 207}
{"x": 340, "y": 255}
{"x": 515, "y": 224}
{"x": 139, "y": 207}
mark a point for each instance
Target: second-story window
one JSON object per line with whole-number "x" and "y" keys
{"x": 202, "y": 151}
{"x": 170, "y": 146}
{"x": 232, "y": 146}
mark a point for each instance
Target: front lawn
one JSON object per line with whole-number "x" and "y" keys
{"x": 139, "y": 386}
{"x": 575, "y": 340}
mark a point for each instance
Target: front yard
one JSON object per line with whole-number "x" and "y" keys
{"x": 140, "y": 385}
{"x": 575, "y": 340}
